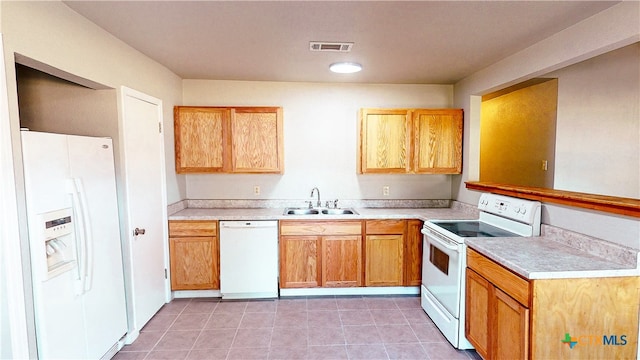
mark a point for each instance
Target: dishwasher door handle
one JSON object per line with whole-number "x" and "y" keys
{"x": 248, "y": 224}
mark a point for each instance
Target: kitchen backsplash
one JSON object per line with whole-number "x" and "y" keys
{"x": 249, "y": 204}
{"x": 594, "y": 246}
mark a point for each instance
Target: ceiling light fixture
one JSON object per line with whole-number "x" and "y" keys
{"x": 345, "y": 67}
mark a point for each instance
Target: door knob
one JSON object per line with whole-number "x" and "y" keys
{"x": 138, "y": 231}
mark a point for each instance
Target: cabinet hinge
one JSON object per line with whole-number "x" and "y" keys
{"x": 165, "y": 273}
{"x": 160, "y": 127}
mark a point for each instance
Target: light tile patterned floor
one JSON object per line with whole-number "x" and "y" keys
{"x": 300, "y": 328}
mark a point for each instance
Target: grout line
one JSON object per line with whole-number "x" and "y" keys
{"x": 344, "y": 345}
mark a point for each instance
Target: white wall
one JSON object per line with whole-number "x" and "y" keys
{"x": 320, "y": 135}
{"x": 610, "y": 29}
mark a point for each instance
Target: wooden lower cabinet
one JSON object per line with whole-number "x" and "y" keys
{"x": 511, "y": 327}
{"x": 478, "y": 292}
{"x": 342, "y": 261}
{"x": 384, "y": 260}
{"x": 384, "y": 248}
{"x": 320, "y": 253}
{"x": 413, "y": 253}
{"x": 194, "y": 255}
{"x": 334, "y": 253}
{"x": 300, "y": 261}
{"x": 508, "y": 317}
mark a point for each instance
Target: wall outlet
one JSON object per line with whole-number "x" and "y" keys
{"x": 385, "y": 190}
{"x": 544, "y": 165}
{"x": 256, "y": 190}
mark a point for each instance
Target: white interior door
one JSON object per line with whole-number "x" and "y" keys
{"x": 146, "y": 207}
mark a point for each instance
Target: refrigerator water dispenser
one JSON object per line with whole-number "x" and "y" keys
{"x": 59, "y": 241}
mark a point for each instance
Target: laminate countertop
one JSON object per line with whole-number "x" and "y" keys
{"x": 559, "y": 256}
{"x": 278, "y": 214}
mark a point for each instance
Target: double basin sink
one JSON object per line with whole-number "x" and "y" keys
{"x": 307, "y": 211}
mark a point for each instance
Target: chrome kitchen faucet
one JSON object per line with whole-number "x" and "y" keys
{"x": 318, "y": 204}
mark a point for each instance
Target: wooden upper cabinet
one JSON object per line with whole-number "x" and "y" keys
{"x": 200, "y": 136}
{"x": 256, "y": 141}
{"x": 438, "y": 141}
{"x": 384, "y": 141}
{"x": 425, "y": 141}
{"x": 232, "y": 140}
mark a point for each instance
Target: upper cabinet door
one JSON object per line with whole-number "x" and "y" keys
{"x": 231, "y": 140}
{"x": 256, "y": 141}
{"x": 423, "y": 141}
{"x": 384, "y": 141}
{"x": 200, "y": 136}
{"x": 438, "y": 141}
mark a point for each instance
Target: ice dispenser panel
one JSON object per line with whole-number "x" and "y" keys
{"x": 59, "y": 241}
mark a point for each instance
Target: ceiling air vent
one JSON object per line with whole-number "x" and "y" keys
{"x": 330, "y": 46}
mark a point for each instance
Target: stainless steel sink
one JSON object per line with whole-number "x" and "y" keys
{"x": 339, "y": 212}
{"x": 301, "y": 211}
{"x": 307, "y": 211}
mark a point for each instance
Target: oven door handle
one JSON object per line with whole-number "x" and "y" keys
{"x": 440, "y": 239}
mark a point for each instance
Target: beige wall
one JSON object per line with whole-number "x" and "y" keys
{"x": 320, "y": 134}
{"x": 598, "y": 130}
{"x": 52, "y": 34}
{"x": 611, "y": 29}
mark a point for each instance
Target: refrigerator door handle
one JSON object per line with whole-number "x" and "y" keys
{"x": 82, "y": 218}
{"x": 87, "y": 238}
{"x": 78, "y": 235}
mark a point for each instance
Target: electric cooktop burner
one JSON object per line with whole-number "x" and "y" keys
{"x": 474, "y": 229}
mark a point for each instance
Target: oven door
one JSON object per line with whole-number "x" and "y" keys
{"x": 442, "y": 267}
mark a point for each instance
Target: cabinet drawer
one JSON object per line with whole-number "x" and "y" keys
{"x": 193, "y": 228}
{"x": 380, "y": 227}
{"x": 320, "y": 228}
{"x": 510, "y": 283}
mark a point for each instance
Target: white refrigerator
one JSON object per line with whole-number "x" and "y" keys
{"x": 74, "y": 241}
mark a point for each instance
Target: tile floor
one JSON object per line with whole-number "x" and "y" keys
{"x": 360, "y": 327}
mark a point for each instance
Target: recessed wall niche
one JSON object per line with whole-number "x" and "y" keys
{"x": 518, "y": 134}
{"x": 51, "y": 104}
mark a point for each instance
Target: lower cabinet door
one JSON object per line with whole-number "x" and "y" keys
{"x": 300, "y": 261}
{"x": 413, "y": 254}
{"x": 194, "y": 264}
{"x": 341, "y": 261}
{"x": 511, "y": 328}
{"x": 384, "y": 260}
{"x": 478, "y": 291}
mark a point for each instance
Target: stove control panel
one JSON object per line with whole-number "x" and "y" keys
{"x": 525, "y": 211}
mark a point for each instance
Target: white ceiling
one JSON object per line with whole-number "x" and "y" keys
{"x": 410, "y": 42}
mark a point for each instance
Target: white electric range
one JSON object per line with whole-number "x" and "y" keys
{"x": 444, "y": 256}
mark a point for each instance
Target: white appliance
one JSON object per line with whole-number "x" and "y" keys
{"x": 74, "y": 241}
{"x": 445, "y": 259}
{"x": 248, "y": 259}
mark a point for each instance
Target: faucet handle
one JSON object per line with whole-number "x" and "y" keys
{"x": 310, "y": 204}
{"x": 335, "y": 203}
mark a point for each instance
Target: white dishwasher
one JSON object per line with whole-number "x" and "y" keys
{"x": 248, "y": 259}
